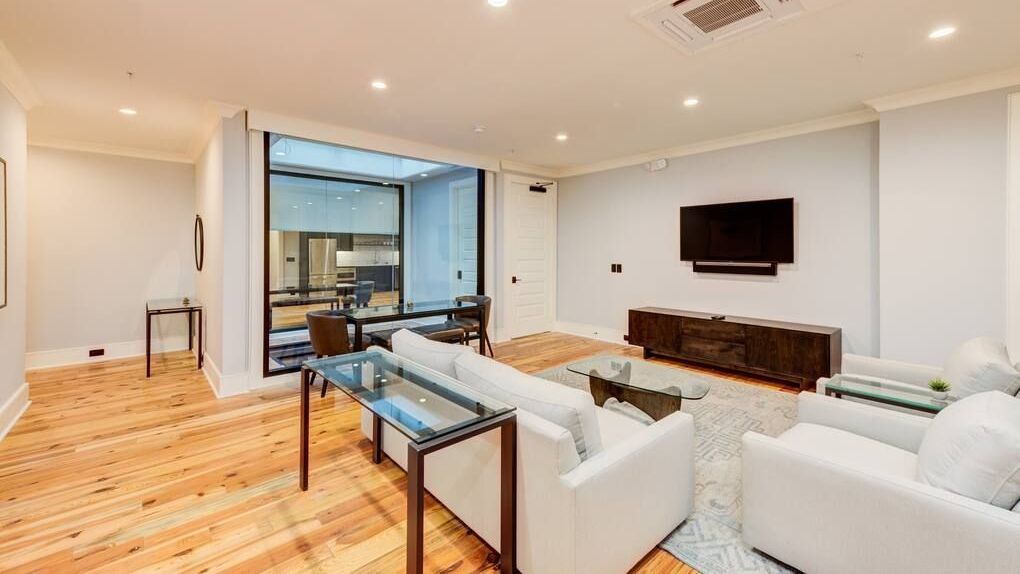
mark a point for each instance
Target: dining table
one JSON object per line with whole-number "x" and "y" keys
{"x": 362, "y": 316}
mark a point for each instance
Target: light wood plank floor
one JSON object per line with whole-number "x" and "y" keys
{"x": 108, "y": 471}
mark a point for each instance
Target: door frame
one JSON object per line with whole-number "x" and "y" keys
{"x": 508, "y": 328}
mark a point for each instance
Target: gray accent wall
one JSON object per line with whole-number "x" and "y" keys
{"x": 631, "y": 216}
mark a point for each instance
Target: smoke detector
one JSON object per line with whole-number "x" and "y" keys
{"x": 694, "y": 25}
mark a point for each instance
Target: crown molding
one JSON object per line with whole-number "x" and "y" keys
{"x": 811, "y": 126}
{"x": 212, "y": 114}
{"x": 529, "y": 169}
{"x": 106, "y": 149}
{"x": 955, "y": 89}
{"x": 16, "y": 81}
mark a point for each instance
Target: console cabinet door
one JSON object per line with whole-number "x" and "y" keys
{"x": 804, "y": 355}
{"x": 660, "y": 333}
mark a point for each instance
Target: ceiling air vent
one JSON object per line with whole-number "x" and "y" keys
{"x": 693, "y": 25}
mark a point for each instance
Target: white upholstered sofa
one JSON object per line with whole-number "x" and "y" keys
{"x": 854, "y": 488}
{"x": 600, "y": 515}
{"x": 977, "y": 365}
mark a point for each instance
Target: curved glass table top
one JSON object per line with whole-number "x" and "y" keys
{"x": 642, "y": 375}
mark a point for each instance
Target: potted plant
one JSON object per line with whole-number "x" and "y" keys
{"x": 940, "y": 388}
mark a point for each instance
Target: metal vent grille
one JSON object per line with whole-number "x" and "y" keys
{"x": 717, "y": 14}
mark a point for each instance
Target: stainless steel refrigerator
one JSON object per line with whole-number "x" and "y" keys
{"x": 322, "y": 262}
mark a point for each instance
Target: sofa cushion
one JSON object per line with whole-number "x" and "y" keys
{"x": 972, "y": 448}
{"x": 851, "y": 450}
{"x": 979, "y": 365}
{"x": 569, "y": 408}
{"x": 432, "y": 354}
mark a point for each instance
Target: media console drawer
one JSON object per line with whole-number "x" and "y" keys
{"x": 790, "y": 352}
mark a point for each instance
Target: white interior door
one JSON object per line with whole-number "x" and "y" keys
{"x": 531, "y": 265}
{"x": 464, "y": 243}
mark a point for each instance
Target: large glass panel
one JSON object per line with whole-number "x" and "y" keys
{"x": 351, "y": 228}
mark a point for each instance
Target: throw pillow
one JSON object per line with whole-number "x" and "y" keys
{"x": 432, "y": 354}
{"x": 569, "y": 408}
{"x": 972, "y": 448}
{"x": 979, "y": 365}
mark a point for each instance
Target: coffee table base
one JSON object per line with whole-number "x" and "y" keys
{"x": 656, "y": 405}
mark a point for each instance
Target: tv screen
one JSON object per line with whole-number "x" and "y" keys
{"x": 749, "y": 231}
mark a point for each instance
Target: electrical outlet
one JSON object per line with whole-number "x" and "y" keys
{"x": 97, "y": 352}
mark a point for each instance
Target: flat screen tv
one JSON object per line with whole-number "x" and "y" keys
{"x": 746, "y": 232}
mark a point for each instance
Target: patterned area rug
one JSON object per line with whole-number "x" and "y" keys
{"x": 709, "y": 540}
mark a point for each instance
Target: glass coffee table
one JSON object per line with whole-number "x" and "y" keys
{"x": 657, "y": 390}
{"x": 433, "y": 411}
{"x": 886, "y": 392}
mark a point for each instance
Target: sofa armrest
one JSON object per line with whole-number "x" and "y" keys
{"x": 888, "y": 369}
{"x": 820, "y": 516}
{"x": 902, "y": 430}
{"x": 631, "y": 496}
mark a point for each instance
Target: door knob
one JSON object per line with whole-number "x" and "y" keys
{"x": 514, "y": 279}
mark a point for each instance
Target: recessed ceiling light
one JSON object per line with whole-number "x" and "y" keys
{"x": 294, "y": 206}
{"x": 380, "y": 203}
{"x": 479, "y": 129}
{"x": 942, "y": 32}
{"x": 354, "y": 209}
{"x": 379, "y": 85}
{"x": 424, "y": 175}
{"x": 691, "y": 102}
{"x": 338, "y": 197}
{"x": 280, "y": 153}
{"x": 562, "y": 137}
{"x": 498, "y": 3}
{"x": 309, "y": 203}
{"x": 357, "y": 191}
{"x": 128, "y": 111}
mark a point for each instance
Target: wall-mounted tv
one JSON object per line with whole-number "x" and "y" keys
{"x": 746, "y": 232}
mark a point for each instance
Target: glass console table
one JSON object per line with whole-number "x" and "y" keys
{"x": 433, "y": 411}
{"x": 887, "y": 392}
{"x": 188, "y": 305}
{"x": 655, "y": 389}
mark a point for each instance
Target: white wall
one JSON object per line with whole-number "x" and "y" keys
{"x": 631, "y": 216}
{"x": 943, "y": 225}
{"x": 221, "y": 189}
{"x": 106, "y": 233}
{"x": 13, "y": 148}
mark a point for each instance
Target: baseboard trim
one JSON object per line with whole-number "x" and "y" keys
{"x": 596, "y": 332}
{"x": 12, "y": 410}
{"x": 36, "y": 360}
{"x": 224, "y": 386}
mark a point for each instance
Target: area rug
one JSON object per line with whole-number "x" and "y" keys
{"x": 709, "y": 540}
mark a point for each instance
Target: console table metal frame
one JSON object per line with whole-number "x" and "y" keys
{"x": 191, "y": 311}
{"x": 507, "y": 425}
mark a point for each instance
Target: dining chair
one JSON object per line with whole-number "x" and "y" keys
{"x": 327, "y": 331}
{"x": 470, "y": 325}
{"x": 363, "y": 293}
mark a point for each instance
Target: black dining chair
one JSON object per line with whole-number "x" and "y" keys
{"x": 363, "y": 293}
{"x": 470, "y": 325}
{"x": 327, "y": 331}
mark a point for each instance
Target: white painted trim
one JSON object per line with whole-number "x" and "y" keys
{"x": 221, "y": 386}
{"x": 1013, "y": 229}
{"x": 340, "y": 135}
{"x": 36, "y": 360}
{"x": 592, "y": 332}
{"x": 12, "y": 410}
{"x": 213, "y": 115}
{"x": 106, "y": 149}
{"x": 14, "y": 78}
{"x": 811, "y": 126}
{"x": 964, "y": 87}
{"x": 528, "y": 169}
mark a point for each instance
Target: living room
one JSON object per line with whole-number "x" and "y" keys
{"x": 699, "y": 286}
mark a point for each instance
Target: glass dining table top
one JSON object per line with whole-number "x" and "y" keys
{"x": 384, "y": 311}
{"x": 643, "y": 375}
{"x": 419, "y": 402}
{"x": 176, "y": 304}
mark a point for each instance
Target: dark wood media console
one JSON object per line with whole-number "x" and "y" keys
{"x": 790, "y": 352}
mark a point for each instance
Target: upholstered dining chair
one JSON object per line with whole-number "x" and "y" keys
{"x": 471, "y": 324}
{"x": 363, "y": 293}
{"x": 327, "y": 331}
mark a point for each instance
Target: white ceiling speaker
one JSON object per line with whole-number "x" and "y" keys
{"x": 694, "y": 25}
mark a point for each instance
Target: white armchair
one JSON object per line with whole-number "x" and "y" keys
{"x": 838, "y": 493}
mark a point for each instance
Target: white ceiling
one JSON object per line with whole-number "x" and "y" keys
{"x": 526, "y": 72}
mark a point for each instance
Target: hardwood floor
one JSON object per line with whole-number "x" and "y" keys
{"x": 108, "y": 471}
